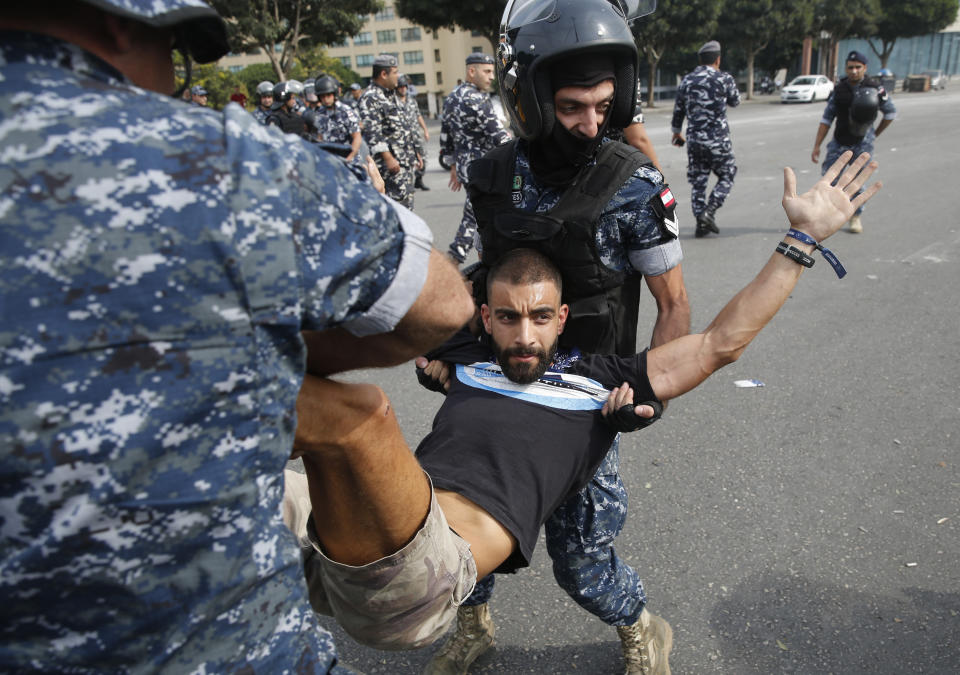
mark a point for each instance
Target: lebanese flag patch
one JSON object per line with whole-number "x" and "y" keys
{"x": 666, "y": 198}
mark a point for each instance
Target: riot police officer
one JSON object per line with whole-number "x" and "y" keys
{"x": 283, "y": 113}
{"x": 602, "y": 212}
{"x": 854, "y": 103}
{"x": 264, "y": 101}
{"x": 336, "y": 121}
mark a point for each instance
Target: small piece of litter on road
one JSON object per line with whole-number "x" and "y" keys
{"x": 748, "y": 383}
{"x": 783, "y": 646}
{"x": 896, "y": 441}
{"x": 911, "y": 564}
{"x": 942, "y": 521}
{"x": 872, "y": 277}
{"x": 899, "y": 511}
{"x": 862, "y": 528}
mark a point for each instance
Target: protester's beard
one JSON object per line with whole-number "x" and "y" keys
{"x": 524, "y": 373}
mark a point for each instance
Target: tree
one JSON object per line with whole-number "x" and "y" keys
{"x": 840, "y": 18}
{"x": 291, "y": 24}
{"x": 482, "y": 16}
{"x": 677, "y": 24}
{"x": 750, "y": 25}
{"x": 899, "y": 19}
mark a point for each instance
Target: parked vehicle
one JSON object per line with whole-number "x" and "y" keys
{"x": 764, "y": 86}
{"x": 806, "y": 88}
{"x": 937, "y": 79}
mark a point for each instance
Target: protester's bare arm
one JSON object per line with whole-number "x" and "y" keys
{"x": 442, "y": 307}
{"x": 681, "y": 365}
{"x": 636, "y": 135}
{"x": 673, "y": 306}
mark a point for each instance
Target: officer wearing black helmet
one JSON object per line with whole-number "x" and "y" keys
{"x": 264, "y": 101}
{"x": 283, "y": 112}
{"x": 855, "y": 103}
{"x": 336, "y": 121}
{"x": 603, "y": 213}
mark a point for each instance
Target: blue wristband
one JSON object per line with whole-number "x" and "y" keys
{"x": 824, "y": 251}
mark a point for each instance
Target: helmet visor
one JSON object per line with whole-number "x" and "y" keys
{"x": 522, "y": 12}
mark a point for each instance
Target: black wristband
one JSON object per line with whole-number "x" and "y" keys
{"x": 795, "y": 254}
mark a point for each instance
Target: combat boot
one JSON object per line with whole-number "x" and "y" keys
{"x": 856, "y": 227}
{"x": 646, "y": 645}
{"x": 420, "y": 184}
{"x": 709, "y": 222}
{"x": 473, "y": 636}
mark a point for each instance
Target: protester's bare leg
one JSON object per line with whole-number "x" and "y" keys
{"x": 368, "y": 492}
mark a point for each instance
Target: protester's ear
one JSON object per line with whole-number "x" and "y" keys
{"x": 485, "y": 316}
{"x": 562, "y": 316}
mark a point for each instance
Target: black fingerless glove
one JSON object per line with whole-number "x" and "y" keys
{"x": 428, "y": 382}
{"x": 625, "y": 419}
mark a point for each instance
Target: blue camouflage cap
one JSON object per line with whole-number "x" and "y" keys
{"x": 198, "y": 27}
{"x": 198, "y": 90}
{"x": 479, "y": 57}
{"x": 857, "y": 56}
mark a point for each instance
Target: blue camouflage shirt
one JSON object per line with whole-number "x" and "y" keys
{"x": 703, "y": 97}
{"x": 158, "y": 262}
{"x": 629, "y": 234}
{"x": 337, "y": 125}
{"x": 470, "y": 128}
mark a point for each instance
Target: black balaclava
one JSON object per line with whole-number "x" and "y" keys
{"x": 558, "y": 158}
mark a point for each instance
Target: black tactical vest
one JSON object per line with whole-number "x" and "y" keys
{"x": 603, "y": 302}
{"x": 842, "y": 98}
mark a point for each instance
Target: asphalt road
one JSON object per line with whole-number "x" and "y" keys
{"x": 809, "y": 526}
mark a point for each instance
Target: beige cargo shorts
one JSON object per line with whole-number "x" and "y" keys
{"x": 406, "y": 600}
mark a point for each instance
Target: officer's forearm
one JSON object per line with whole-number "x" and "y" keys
{"x": 883, "y": 125}
{"x": 821, "y": 134}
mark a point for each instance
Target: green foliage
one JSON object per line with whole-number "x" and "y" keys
{"x": 676, "y": 25}
{"x": 294, "y": 24}
{"x": 899, "y": 19}
{"x": 219, "y": 83}
{"x": 747, "y": 27}
{"x": 479, "y": 15}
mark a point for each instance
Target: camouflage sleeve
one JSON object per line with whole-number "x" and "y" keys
{"x": 733, "y": 94}
{"x": 830, "y": 111}
{"x": 446, "y": 130}
{"x": 371, "y": 116}
{"x": 679, "y": 108}
{"x": 638, "y": 240}
{"x": 353, "y": 125}
{"x": 887, "y": 108}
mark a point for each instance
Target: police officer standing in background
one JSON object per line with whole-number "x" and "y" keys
{"x": 336, "y": 121}
{"x": 854, "y": 103}
{"x": 469, "y": 129}
{"x": 386, "y": 131}
{"x": 353, "y": 100}
{"x": 264, "y": 101}
{"x": 283, "y": 112}
{"x": 418, "y": 127}
{"x": 703, "y": 97}
{"x": 198, "y": 95}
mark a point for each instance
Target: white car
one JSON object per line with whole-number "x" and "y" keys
{"x": 806, "y": 88}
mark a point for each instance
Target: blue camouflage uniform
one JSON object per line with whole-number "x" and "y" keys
{"x": 703, "y": 97}
{"x": 261, "y": 115}
{"x": 581, "y": 532}
{"x": 337, "y": 125}
{"x": 835, "y": 148}
{"x": 385, "y": 127}
{"x": 412, "y": 112}
{"x": 158, "y": 263}
{"x": 469, "y": 129}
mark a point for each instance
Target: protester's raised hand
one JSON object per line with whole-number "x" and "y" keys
{"x": 824, "y": 208}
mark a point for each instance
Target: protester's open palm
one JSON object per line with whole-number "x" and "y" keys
{"x": 824, "y": 208}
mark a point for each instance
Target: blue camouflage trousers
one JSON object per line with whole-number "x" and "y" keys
{"x": 834, "y": 150}
{"x": 580, "y": 536}
{"x": 702, "y": 160}
{"x": 399, "y": 186}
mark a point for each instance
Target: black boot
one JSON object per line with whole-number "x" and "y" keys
{"x": 420, "y": 184}
{"x": 708, "y": 221}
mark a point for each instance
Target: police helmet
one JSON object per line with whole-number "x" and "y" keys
{"x": 403, "y": 81}
{"x": 863, "y": 110}
{"x": 296, "y": 86}
{"x": 282, "y": 92}
{"x": 309, "y": 93}
{"x": 265, "y": 88}
{"x": 326, "y": 84}
{"x": 536, "y": 33}
{"x": 198, "y": 28}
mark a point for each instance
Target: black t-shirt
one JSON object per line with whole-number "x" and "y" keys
{"x": 518, "y": 451}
